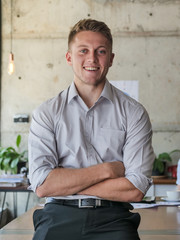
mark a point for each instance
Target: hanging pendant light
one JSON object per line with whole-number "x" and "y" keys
{"x": 11, "y": 55}
{"x": 11, "y": 63}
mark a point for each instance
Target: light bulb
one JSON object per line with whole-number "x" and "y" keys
{"x": 11, "y": 63}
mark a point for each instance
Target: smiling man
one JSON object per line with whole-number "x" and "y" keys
{"x": 90, "y": 150}
{"x": 90, "y": 55}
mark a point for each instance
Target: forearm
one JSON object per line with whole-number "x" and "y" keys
{"x": 63, "y": 181}
{"x": 119, "y": 189}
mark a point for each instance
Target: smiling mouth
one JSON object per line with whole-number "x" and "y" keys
{"x": 91, "y": 68}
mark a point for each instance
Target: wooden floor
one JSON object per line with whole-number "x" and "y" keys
{"x": 160, "y": 223}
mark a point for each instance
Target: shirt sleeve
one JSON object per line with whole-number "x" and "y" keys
{"x": 138, "y": 154}
{"x": 41, "y": 147}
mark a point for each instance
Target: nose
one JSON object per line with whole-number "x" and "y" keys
{"x": 92, "y": 57}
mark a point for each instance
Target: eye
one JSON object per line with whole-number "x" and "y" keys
{"x": 83, "y": 51}
{"x": 102, "y": 51}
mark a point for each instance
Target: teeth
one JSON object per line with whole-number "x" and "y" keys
{"x": 91, "y": 68}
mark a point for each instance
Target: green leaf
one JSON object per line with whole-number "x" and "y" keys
{"x": 158, "y": 165}
{"x": 10, "y": 149}
{"x": 14, "y": 163}
{"x": 14, "y": 170}
{"x": 12, "y": 156}
{"x": 161, "y": 167}
{"x": 18, "y": 140}
{"x": 165, "y": 157}
{"x": 3, "y": 152}
{"x": 6, "y": 162}
{"x": 1, "y": 165}
{"x": 9, "y": 157}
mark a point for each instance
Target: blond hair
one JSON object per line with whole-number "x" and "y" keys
{"x": 90, "y": 25}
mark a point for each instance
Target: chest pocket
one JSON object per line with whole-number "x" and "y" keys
{"x": 110, "y": 143}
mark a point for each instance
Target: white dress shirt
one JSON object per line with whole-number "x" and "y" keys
{"x": 66, "y": 133}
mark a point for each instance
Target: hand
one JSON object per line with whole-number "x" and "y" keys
{"x": 115, "y": 169}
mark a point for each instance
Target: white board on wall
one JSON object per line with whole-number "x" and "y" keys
{"x": 130, "y": 87}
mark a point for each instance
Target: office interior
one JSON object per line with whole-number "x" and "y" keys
{"x": 146, "y": 37}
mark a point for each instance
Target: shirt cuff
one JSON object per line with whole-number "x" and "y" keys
{"x": 140, "y": 181}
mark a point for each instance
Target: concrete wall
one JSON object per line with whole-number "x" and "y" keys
{"x": 146, "y": 43}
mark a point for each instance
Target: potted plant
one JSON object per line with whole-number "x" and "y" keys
{"x": 11, "y": 158}
{"x": 160, "y": 162}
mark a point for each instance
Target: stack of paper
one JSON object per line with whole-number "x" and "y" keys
{"x": 12, "y": 180}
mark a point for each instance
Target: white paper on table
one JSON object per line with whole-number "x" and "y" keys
{"x": 151, "y": 205}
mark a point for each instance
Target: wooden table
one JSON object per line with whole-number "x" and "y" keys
{"x": 20, "y": 228}
{"x": 160, "y": 223}
{"x": 164, "y": 180}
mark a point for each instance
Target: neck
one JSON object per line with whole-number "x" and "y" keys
{"x": 90, "y": 93}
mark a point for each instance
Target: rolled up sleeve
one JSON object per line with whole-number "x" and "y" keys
{"x": 138, "y": 153}
{"x": 41, "y": 148}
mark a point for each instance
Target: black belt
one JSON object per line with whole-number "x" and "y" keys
{"x": 89, "y": 203}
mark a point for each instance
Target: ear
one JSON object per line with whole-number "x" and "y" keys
{"x": 111, "y": 59}
{"x": 69, "y": 58}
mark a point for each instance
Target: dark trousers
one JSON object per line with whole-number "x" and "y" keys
{"x": 59, "y": 222}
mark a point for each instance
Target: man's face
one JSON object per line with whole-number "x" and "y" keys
{"x": 90, "y": 57}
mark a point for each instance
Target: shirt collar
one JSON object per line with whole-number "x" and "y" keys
{"x": 106, "y": 92}
{"x": 72, "y": 92}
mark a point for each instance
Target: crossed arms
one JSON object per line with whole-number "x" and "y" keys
{"x": 113, "y": 180}
{"x": 105, "y": 180}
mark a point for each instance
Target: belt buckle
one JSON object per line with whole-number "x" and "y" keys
{"x": 97, "y": 204}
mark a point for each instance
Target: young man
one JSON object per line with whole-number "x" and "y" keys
{"x": 90, "y": 150}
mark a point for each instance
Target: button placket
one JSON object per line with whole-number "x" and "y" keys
{"x": 88, "y": 135}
